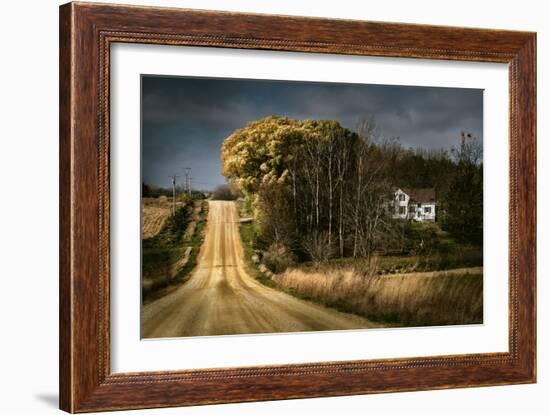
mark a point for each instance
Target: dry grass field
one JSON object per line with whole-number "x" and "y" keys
{"x": 155, "y": 211}
{"x": 414, "y": 299}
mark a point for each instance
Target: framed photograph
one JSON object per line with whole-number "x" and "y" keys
{"x": 258, "y": 207}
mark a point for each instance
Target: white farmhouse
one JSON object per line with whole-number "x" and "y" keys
{"x": 415, "y": 204}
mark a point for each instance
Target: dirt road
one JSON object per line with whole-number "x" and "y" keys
{"x": 221, "y": 298}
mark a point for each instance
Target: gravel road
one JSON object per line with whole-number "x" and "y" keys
{"x": 221, "y": 298}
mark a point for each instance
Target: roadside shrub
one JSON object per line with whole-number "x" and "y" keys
{"x": 317, "y": 246}
{"x": 278, "y": 258}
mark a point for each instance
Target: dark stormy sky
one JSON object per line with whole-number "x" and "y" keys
{"x": 185, "y": 120}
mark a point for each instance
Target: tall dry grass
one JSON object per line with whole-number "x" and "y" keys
{"x": 408, "y": 300}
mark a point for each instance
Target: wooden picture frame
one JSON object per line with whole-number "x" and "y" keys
{"x": 86, "y": 33}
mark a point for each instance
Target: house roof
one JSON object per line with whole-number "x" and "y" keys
{"x": 421, "y": 195}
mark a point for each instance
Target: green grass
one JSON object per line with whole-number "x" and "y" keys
{"x": 195, "y": 242}
{"x": 249, "y": 234}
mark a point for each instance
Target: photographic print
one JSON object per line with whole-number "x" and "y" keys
{"x": 273, "y": 206}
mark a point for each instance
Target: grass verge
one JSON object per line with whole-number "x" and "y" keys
{"x": 413, "y": 300}
{"x": 248, "y": 232}
{"x": 162, "y": 252}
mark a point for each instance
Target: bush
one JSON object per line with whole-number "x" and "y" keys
{"x": 317, "y": 246}
{"x": 278, "y": 258}
{"x": 224, "y": 192}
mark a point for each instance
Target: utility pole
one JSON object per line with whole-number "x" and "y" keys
{"x": 188, "y": 180}
{"x": 174, "y": 193}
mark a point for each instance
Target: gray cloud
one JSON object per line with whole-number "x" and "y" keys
{"x": 185, "y": 120}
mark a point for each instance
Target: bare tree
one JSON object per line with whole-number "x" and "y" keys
{"x": 469, "y": 151}
{"x": 372, "y": 191}
{"x": 312, "y": 170}
{"x": 330, "y": 155}
{"x": 342, "y": 162}
{"x": 316, "y": 245}
{"x": 358, "y": 194}
{"x": 375, "y": 220}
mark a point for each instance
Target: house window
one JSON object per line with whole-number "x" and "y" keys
{"x": 427, "y": 209}
{"x": 401, "y": 197}
{"x": 402, "y": 210}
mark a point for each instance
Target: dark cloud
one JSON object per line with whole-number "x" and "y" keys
{"x": 185, "y": 120}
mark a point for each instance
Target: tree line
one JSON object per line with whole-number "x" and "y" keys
{"x": 320, "y": 190}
